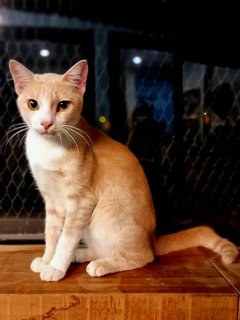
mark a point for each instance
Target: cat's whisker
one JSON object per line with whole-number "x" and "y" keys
{"x": 16, "y": 133}
{"x": 23, "y": 138}
{"x": 13, "y": 125}
{"x": 71, "y": 139}
{"x": 87, "y": 136}
{"x": 60, "y": 138}
{"x": 64, "y": 133}
{"x": 65, "y": 128}
{"x": 13, "y": 128}
{"x": 84, "y": 133}
{"x": 16, "y": 127}
{"x": 80, "y": 133}
{"x": 19, "y": 130}
{"x": 5, "y": 137}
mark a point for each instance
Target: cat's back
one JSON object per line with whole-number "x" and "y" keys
{"x": 112, "y": 152}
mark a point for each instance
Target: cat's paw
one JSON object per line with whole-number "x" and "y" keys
{"x": 38, "y": 265}
{"x": 51, "y": 274}
{"x": 96, "y": 269}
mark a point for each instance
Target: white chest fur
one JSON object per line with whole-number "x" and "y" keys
{"x": 46, "y": 157}
{"x": 43, "y": 152}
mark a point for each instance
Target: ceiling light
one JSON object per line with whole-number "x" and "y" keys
{"x": 44, "y": 53}
{"x": 137, "y": 60}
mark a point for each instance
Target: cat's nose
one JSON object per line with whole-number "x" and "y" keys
{"x": 46, "y": 124}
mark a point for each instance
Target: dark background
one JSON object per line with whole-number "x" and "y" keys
{"x": 194, "y": 179}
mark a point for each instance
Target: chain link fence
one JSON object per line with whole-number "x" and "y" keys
{"x": 180, "y": 118}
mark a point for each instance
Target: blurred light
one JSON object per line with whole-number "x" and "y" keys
{"x": 44, "y": 53}
{"x": 102, "y": 119}
{"x": 137, "y": 60}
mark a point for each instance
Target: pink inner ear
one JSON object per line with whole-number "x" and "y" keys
{"x": 77, "y": 75}
{"x": 21, "y": 75}
{"x": 19, "y": 87}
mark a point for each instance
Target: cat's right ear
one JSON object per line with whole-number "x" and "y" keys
{"x": 20, "y": 74}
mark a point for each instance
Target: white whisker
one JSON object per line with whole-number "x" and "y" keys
{"x": 60, "y": 138}
{"x": 66, "y": 135}
{"x": 16, "y": 133}
{"x": 23, "y": 138}
{"x": 80, "y": 133}
{"x": 14, "y": 130}
{"x": 16, "y": 127}
{"x": 71, "y": 139}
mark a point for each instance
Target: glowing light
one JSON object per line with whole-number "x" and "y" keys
{"x": 102, "y": 119}
{"x": 137, "y": 60}
{"x": 44, "y": 53}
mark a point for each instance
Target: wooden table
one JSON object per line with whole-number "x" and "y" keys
{"x": 191, "y": 284}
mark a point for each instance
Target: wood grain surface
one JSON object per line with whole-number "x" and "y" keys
{"x": 184, "y": 285}
{"x": 231, "y": 272}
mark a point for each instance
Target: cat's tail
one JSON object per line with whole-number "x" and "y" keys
{"x": 194, "y": 237}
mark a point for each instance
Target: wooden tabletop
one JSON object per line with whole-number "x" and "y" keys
{"x": 190, "y": 284}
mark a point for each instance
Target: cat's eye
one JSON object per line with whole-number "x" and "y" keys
{"x": 62, "y": 105}
{"x": 33, "y": 104}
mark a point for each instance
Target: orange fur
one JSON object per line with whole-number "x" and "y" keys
{"x": 94, "y": 188}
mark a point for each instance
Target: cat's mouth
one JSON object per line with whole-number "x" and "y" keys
{"x": 48, "y": 134}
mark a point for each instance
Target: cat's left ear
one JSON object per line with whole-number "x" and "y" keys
{"x": 77, "y": 75}
{"x": 20, "y": 74}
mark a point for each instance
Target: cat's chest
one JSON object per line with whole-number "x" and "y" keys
{"x": 44, "y": 153}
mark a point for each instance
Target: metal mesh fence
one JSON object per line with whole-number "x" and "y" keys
{"x": 181, "y": 119}
{"x": 22, "y": 209}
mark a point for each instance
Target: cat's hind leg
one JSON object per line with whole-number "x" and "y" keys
{"x": 103, "y": 266}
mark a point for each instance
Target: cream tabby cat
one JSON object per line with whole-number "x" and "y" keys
{"x": 94, "y": 188}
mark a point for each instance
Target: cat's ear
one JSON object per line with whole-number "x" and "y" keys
{"x": 77, "y": 75}
{"x": 20, "y": 74}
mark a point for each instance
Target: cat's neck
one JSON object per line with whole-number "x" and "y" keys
{"x": 50, "y": 152}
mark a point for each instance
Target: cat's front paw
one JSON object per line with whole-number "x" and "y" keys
{"x": 51, "y": 274}
{"x": 38, "y": 265}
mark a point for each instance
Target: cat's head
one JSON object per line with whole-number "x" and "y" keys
{"x": 50, "y": 102}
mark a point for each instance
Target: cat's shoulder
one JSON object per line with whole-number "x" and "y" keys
{"x": 108, "y": 148}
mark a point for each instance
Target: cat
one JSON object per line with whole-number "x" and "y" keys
{"x": 94, "y": 188}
